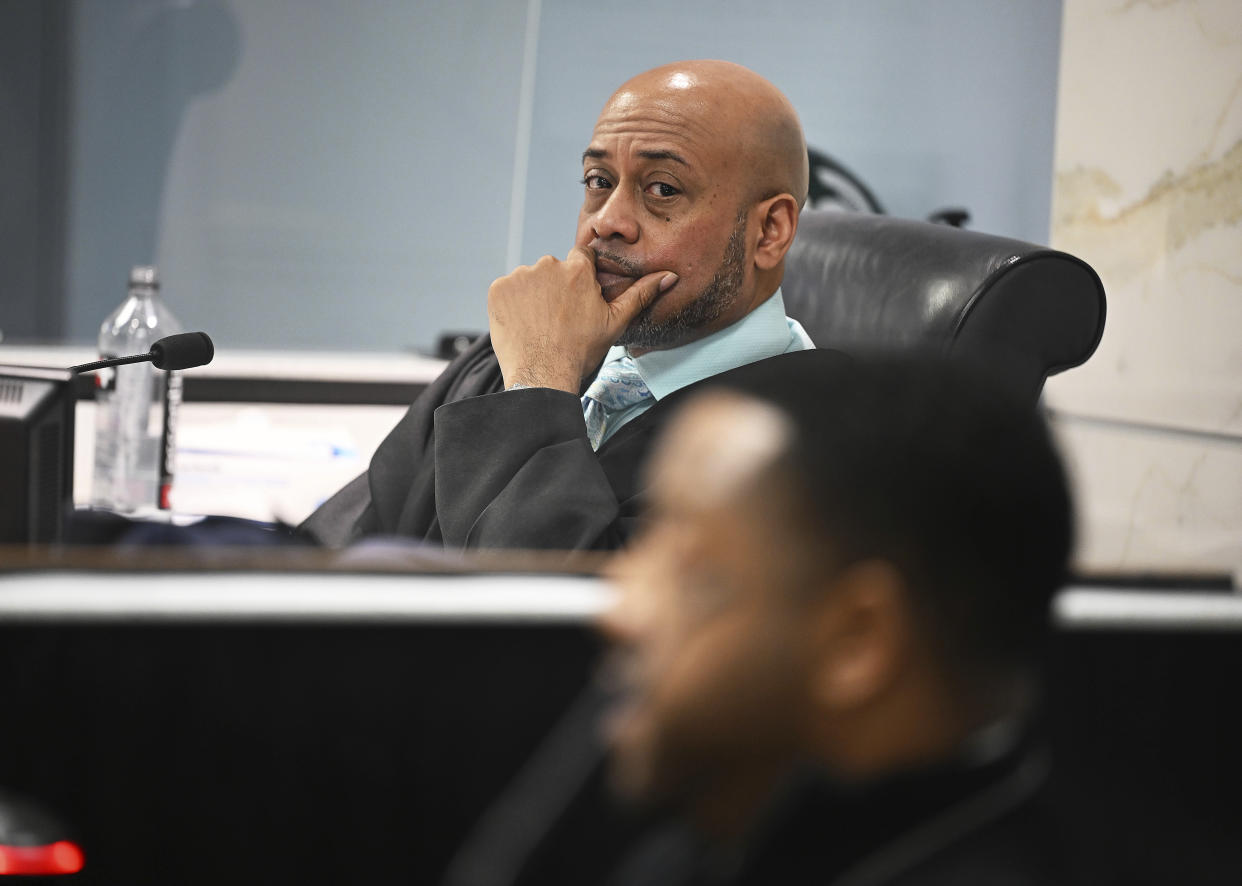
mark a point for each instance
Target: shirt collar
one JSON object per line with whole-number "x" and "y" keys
{"x": 764, "y": 332}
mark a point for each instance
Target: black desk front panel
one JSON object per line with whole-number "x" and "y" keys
{"x": 279, "y": 754}
{"x": 327, "y": 753}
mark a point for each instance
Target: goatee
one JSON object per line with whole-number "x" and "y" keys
{"x": 704, "y": 308}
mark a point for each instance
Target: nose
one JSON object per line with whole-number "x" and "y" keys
{"x": 617, "y": 218}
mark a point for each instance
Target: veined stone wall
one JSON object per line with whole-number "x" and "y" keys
{"x": 1148, "y": 189}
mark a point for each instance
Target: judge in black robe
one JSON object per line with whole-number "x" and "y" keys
{"x": 473, "y": 465}
{"x": 693, "y": 181}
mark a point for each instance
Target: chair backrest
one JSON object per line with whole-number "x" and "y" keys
{"x": 861, "y": 282}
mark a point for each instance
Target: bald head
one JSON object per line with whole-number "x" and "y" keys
{"x": 733, "y": 103}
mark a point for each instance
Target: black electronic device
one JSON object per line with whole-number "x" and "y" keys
{"x": 36, "y": 454}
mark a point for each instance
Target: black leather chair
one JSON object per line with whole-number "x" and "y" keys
{"x": 861, "y": 282}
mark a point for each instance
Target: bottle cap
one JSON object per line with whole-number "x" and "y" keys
{"x": 144, "y": 275}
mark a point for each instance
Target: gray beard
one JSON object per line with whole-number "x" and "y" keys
{"x": 704, "y": 308}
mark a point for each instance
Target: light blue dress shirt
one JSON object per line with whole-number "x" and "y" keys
{"x": 764, "y": 332}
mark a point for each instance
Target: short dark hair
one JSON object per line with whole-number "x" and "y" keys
{"x": 941, "y": 470}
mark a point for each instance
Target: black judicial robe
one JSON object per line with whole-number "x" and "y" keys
{"x": 471, "y": 465}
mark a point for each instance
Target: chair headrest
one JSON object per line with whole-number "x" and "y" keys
{"x": 862, "y": 282}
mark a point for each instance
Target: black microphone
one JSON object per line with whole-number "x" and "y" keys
{"x": 185, "y": 350}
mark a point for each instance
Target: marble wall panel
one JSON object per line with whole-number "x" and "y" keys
{"x": 1148, "y": 189}
{"x": 1151, "y": 501}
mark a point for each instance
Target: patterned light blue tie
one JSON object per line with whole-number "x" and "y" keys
{"x": 617, "y": 387}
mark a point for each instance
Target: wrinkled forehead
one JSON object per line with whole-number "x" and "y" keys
{"x": 715, "y": 451}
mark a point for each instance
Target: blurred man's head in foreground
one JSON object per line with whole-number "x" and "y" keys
{"x": 853, "y": 570}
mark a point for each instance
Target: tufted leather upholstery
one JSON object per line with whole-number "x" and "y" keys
{"x": 861, "y": 282}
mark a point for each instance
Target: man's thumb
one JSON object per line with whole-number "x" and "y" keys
{"x": 642, "y": 292}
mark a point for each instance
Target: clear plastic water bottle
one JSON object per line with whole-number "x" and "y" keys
{"x": 135, "y": 405}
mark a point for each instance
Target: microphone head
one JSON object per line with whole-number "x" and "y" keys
{"x": 184, "y": 350}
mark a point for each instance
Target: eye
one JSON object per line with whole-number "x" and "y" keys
{"x": 593, "y": 181}
{"x": 662, "y": 189}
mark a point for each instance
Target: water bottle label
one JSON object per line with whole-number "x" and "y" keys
{"x": 168, "y": 447}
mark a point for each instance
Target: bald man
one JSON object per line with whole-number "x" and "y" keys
{"x": 533, "y": 438}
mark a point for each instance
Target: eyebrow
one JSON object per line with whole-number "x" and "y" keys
{"x": 598, "y": 154}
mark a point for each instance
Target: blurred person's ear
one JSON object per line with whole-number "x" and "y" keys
{"x": 862, "y": 637}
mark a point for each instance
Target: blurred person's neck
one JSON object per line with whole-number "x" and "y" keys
{"x": 919, "y": 721}
{"x": 725, "y": 813}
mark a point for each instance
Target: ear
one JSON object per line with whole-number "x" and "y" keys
{"x": 863, "y": 636}
{"x": 778, "y": 224}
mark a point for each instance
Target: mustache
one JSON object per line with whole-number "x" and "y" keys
{"x": 619, "y": 263}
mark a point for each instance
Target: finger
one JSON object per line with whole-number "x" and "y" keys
{"x": 642, "y": 292}
{"x": 581, "y": 253}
